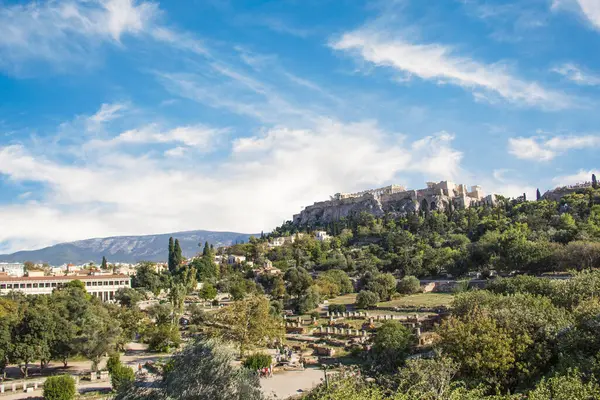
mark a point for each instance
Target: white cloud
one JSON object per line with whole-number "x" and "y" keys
{"x": 197, "y": 136}
{"x": 588, "y": 9}
{"x": 539, "y": 148}
{"x": 441, "y": 64}
{"x": 579, "y": 177}
{"x": 265, "y": 179}
{"x": 65, "y": 32}
{"x": 591, "y": 9}
{"x": 529, "y": 149}
{"x": 108, "y": 112}
{"x": 575, "y": 74}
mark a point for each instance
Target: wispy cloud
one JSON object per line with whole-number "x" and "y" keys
{"x": 199, "y": 137}
{"x": 539, "y": 148}
{"x": 577, "y": 75}
{"x": 65, "y": 32}
{"x": 442, "y": 65}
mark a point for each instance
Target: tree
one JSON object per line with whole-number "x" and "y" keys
{"x": 482, "y": 349}
{"x": 594, "y": 181}
{"x": 538, "y": 195}
{"x": 206, "y": 251}
{"x": 409, "y": 285}
{"x": 249, "y": 323}
{"x": 28, "y": 266}
{"x": 163, "y": 338}
{"x": 177, "y": 256}
{"x": 298, "y": 281}
{"x": 99, "y": 334}
{"x": 257, "y": 361}
{"x": 104, "y": 264}
{"x": 121, "y": 377}
{"x": 203, "y": 370}
{"x": 366, "y": 299}
{"x": 309, "y": 300}
{"x": 384, "y": 285}
{"x": 147, "y": 278}
{"x": 391, "y": 345}
{"x": 207, "y": 292}
{"x": 566, "y": 387}
{"x": 171, "y": 261}
{"x": 32, "y": 337}
{"x": 61, "y": 387}
{"x": 128, "y": 297}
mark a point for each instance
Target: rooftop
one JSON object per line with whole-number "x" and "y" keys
{"x": 63, "y": 278}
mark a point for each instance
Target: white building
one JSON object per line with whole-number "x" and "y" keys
{"x": 13, "y": 269}
{"x": 101, "y": 286}
{"x": 321, "y": 236}
{"x": 233, "y": 259}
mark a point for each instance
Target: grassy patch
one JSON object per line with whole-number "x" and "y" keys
{"x": 420, "y": 300}
{"x": 345, "y": 299}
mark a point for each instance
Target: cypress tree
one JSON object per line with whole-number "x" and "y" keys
{"x": 538, "y": 195}
{"x": 206, "y": 250}
{"x": 524, "y": 196}
{"x": 104, "y": 264}
{"x": 171, "y": 261}
{"x": 177, "y": 257}
{"x": 594, "y": 181}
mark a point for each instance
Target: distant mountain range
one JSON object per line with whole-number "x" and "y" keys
{"x": 126, "y": 249}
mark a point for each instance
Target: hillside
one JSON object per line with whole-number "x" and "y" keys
{"x": 127, "y": 249}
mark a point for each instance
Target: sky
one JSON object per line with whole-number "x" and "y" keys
{"x": 123, "y": 117}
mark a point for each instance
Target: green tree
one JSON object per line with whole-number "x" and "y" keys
{"x": 257, "y": 361}
{"x": 207, "y": 292}
{"x": 366, "y": 299}
{"x": 128, "y": 297}
{"x": 98, "y": 336}
{"x": 61, "y": 387}
{"x": 147, "y": 278}
{"x": 177, "y": 256}
{"x": 384, "y": 285}
{"x": 309, "y": 300}
{"x": 409, "y": 285}
{"x": 163, "y": 338}
{"x": 566, "y": 387}
{"x": 298, "y": 281}
{"x": 391, "y": 344}
{"x": 104, "y": 264}
{"x": 171, "y": 261}
{"x": 249, "y": 323}
{"x": 203, "y": 370}
{"x": 121, "y": 377}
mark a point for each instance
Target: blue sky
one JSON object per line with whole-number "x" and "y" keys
{"x": 137, "y": 117}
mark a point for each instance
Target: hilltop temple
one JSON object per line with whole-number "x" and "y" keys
{"x": 395, "y": 199}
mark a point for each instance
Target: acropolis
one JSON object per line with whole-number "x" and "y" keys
{"x": 394, "y": 199}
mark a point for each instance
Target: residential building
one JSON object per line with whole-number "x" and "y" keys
{"x": 322, "y": 236}
{"x": 13, "y": 269}
{"x": 233, "y": 259}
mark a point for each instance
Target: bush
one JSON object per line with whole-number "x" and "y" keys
{"x": 409, "y": 285}
{"x": 366, "y": 299}
{"x": 257, "y": 361}
{"x": 121, "y": 376}
{"x": 113, "y": 361}
{"x": 340, "y": 308}
{"x": 60, "y": 387}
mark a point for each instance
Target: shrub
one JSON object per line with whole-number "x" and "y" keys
{"x": 340, "y": 308}
{"x": 113, "y": 361}
{"x": 366, "y": 299}
{"x": 257, "y": 361}
{"x": 121, "y": 376}
{"x": 60, "y": 387}
{"x": 409, "y": 285}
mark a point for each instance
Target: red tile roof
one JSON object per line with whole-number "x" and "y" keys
{"x": 63, "y": 278}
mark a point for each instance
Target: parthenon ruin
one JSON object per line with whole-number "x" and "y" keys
{"x": 394, "y": 199}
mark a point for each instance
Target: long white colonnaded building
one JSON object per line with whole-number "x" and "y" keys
{"x": 102, "y": 286}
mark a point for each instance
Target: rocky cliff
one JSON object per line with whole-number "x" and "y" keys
{"x": 328, "y": 211}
